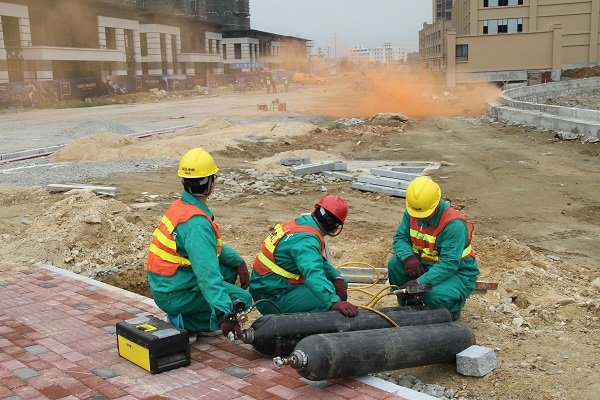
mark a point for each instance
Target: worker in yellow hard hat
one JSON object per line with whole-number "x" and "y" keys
{"x": 191, "y": 273}
{"x": 433, "y": 245}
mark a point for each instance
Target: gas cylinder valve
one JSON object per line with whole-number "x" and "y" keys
{"x": 296, "y": 360}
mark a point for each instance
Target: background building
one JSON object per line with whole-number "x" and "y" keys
{"x": 126, "y": 45}
{"x": 503, "y": 40}
{"x": 432, "y": 38}
{"x": 387, "y": 54}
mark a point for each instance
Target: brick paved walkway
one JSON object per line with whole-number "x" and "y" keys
{"x": 57, "y": 341}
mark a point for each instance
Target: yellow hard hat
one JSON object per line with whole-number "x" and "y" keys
{"x": 422, "y": 197}
{"x": 197, "y": 163}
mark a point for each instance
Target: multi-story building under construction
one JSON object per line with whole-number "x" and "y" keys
{"x": 142, "y": 42}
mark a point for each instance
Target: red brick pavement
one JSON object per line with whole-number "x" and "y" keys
{"x": 57, "y": 341}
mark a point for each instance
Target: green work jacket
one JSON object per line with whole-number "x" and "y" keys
{"x": 196, "y": 241}
{"x": 450, "y": 244}
{"x": 299, "y": 253}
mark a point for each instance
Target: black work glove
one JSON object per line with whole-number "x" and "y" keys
{"x": 413, "y": 267}
{"x": 340, "y": 289}
{"x": 348, "y": 309}
{"x": 407, "y": 296}
{"x": 228, "y": 323}
{"x": 242, "y": 271}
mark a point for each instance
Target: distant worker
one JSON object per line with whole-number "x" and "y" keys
{"x": 273, "y": 85}
{"x": 268, "y": 84}
{"x": 433, "y": 245}
{"x": 291, "y": 274}
{"x": 191, "y": 273}
{"x": 286, "y": 84}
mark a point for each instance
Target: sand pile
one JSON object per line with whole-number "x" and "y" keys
{"x": 214, "y": 134}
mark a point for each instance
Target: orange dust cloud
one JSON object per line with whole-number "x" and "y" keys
{"x": 414, "y": 93}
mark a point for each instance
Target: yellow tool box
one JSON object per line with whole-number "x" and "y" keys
{"x": 153, "y": 344}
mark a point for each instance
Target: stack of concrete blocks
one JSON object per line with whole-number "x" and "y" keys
{"x": 315, "y": 168}
{"x": 391, "y": 181}
{"x": 476, "y": 361}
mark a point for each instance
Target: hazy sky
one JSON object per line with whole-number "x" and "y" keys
{"x": 343, "y": 24}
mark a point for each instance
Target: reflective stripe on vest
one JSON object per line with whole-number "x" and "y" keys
{"x": 163, "y": 258}
{"x": 265, "y": 261}
{"x": 423, "y": 239}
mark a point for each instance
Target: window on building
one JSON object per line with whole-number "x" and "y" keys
{"x": 144, "y": 43}
{"x": 210, "y": 46}
{"x": 462, "y": 52}
{"x": 11, "y": 32}
{"x": 224, "y": 51}
{"x": 111, "y": 37}
{"x": 237, "y": 51}
{"x": 129, "y": 45}
{"x": 163, "y": 54}
{"x": 174, "y": 53}
{"x": 509, "y": 25}
{"x": 502, "y": 3}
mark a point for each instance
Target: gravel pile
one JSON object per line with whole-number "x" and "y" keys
{"x": 589, "y": 99}
{"x": 95, "y": 126}
{"x": 416, "y": 384}
{"x": 40, "y": 172}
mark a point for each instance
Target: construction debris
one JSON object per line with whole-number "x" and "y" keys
{"x": 476, "y": 361}
{"x": 104, "y": 190}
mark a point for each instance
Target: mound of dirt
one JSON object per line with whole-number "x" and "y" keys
{"x": 83, "y": 233}
{"x": 579, "y": 73}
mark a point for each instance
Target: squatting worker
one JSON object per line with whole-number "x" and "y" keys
{"x": 433, "y": 244}
{"x": 191, "y": 273}
{"x": 291, "y": 273}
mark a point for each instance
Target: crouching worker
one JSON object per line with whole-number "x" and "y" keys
{"x": 191, "y": 273}
{"x": 292, "y": 274}
{"x": 433, "y": 245}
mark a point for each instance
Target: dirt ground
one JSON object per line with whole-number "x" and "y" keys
{"x": 533, "y": 198}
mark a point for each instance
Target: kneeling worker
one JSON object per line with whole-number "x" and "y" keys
{"x": 433, "y": 245}
{"x": 191, "y": 273}
{"x": 292, "y": 274}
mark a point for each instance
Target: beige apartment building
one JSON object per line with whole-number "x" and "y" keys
{"x": 503, "y": 40}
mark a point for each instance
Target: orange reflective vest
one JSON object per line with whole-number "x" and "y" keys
{"x": 423, "y": 239}
{"x": 163, "y": 258}
{"x": 265, "y": 261}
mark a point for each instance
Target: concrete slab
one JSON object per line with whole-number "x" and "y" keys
{"x": 313, "y": 168}
{"x": 339, "y": 175}
{"x": 291, "y": 161}
{"x": 379, "y": 189}
{"x": 388, "y": 173}
{"x": 383, "y": 181}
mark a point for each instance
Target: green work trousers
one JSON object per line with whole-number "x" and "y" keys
{"x": 298, "y": 299}
{"x": 193, "y": 307}
{"x": 451, "y": 293}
